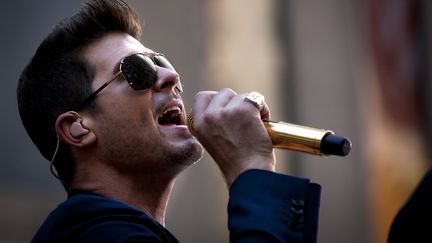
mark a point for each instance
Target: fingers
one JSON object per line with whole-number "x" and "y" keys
{"x": 221, "y": 99}
{"x": 232, "y": 131}
{"x": 202, "y": 100}
{"x": 212, "y": 102}
{"x": 262, "y": 108}
{"x": 265, "y": 113}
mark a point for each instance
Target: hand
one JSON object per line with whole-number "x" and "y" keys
{"x": 232, "y": 131}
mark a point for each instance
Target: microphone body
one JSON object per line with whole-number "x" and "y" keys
{"x": 301, "y": 138}
{"x": 306, "y": 139}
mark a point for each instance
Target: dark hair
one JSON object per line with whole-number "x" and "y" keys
{"x": 58, "y": 77}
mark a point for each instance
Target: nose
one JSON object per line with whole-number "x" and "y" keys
{"x": 167, "y": 79}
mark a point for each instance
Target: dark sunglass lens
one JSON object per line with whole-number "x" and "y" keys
{"x": 139, "y": 71}
{"x": 161, "y": 61}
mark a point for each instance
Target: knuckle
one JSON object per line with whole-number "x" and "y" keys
{"x": 228, "y": 90}
{"x": 245, "y": 109}
{"x": 204, "y": 93}
{"x": 208, "y": 118}
{"x": 200, "y": 94}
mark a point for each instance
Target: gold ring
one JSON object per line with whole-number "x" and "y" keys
{"x": 256, "y": 99}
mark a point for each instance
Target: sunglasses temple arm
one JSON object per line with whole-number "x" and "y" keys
{"x": 92, "y": 96}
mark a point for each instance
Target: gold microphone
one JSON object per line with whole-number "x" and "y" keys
{"x": 301, "y": 138}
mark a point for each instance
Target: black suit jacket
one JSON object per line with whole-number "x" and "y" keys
{"x": 263, "y": 207}
{"x": 270, "y": 207}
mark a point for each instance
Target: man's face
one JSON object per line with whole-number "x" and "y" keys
{"x": 129, "y": 133}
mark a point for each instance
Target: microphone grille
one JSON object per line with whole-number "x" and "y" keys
{"x": 189, "y": 120}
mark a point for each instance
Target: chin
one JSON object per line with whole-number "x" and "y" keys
{"x": 192, "y": 153}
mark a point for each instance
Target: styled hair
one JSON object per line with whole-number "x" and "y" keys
{"x": 58, "y": 78}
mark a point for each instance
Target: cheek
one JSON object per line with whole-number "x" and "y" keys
{"x": 126, "y": 107}
{"x": 131, "y": 123}
{"x": 127, "y": 140}
{"x": 126, "y": 119}
{"x": 126, "y": 116}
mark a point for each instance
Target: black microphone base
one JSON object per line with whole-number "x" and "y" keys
{"x": 335, "y": 145}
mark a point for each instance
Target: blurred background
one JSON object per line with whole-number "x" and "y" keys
{"x": 359, "y": 68}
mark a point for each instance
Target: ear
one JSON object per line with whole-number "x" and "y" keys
{"x": 70, "y": 129}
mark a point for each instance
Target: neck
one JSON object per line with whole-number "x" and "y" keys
{"x": 149, "y": 192}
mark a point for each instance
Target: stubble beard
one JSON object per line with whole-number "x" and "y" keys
{"x": 132, "y": 155}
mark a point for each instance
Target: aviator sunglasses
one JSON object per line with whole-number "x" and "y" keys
{"x": 139, "y": 70}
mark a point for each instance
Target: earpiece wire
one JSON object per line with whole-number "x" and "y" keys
{"x": 53, "y": 170}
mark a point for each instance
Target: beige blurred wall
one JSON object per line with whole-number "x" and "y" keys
{"x": 327, "y": 59}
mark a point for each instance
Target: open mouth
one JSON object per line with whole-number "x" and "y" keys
{"x": 171, "y": 116}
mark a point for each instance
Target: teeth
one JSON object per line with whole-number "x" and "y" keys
{"x": 174, "y": 109}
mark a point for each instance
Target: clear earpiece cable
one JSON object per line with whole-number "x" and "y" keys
{"x": 53, "y": 171}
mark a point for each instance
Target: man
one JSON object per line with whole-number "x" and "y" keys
{"x": 118, "y": 146}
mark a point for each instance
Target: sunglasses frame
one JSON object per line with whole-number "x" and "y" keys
{"x": 150, "y": 55}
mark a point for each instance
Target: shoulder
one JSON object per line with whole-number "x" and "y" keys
{"x": 89, "y": 217}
